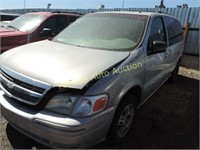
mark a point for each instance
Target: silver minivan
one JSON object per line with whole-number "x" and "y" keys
{"x": 86, "y": 84}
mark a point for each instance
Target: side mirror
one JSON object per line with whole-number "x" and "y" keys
{"x": 46, "y": 32}
{"x": 158, "y": 47}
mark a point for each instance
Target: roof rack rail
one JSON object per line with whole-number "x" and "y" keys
{"x": 72, "y": 12}
{"x": 159, "y": 11}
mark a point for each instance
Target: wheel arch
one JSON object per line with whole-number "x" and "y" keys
{"x": 135, "y": 91}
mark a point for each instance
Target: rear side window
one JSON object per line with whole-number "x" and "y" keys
{"x": 174, "y": 29}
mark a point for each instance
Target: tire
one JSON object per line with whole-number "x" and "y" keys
{"x": 174, "y": 74}
{"x": 123, "y": 120}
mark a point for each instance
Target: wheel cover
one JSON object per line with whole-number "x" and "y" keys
{"x": 125, "y": 120}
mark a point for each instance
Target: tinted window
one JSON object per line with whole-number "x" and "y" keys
{"x": 7, "y": 17}
{"x": 72, "y": 18}
{"x": 157, "y": 32}
{"x": 56, "y": 24}
{"x": 174, "y": 29}
{"x": 105, "y": 31}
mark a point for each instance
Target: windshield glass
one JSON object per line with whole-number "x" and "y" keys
{"x": 27, "y": 22}
{"x": 105, "y": 31}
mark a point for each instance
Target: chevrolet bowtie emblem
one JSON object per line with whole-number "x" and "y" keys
{"x": 10, "y": 85}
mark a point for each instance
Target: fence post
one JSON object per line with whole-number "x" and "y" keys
{"x": 186, "y": 31}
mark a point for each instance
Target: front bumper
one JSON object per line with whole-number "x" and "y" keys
{"x": 57, "y": 131}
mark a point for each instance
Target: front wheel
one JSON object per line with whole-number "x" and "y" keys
{"x": 123, "y": 120}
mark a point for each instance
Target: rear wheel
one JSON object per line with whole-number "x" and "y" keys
{"x": 123, "y": 120}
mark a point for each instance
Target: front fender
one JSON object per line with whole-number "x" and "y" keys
{"x": 127, "y": 88}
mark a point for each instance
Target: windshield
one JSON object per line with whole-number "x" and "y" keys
{"x": 105, "y": 31}
{"x": 27, "y": 22}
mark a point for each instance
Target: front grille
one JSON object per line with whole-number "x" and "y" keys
{"x": 21, "y": 91}
{"x": 33, "y": 88}
{"x": 14, "y": 93}
{"x": 23, "y": 84}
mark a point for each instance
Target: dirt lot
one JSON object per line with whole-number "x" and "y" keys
{"x": 170, "y": 119}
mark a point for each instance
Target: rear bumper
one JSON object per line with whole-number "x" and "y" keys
{"x": 54, "y": 130}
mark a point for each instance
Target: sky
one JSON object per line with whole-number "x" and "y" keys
{"x": 93, "y": 4}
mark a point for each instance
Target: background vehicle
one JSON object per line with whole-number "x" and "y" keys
{"x": 33, "y": 27}
{"x": 89, "y": 80}
{"x": 8, "y": 16}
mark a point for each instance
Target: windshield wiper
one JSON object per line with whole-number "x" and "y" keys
{"x": 13, "y": 27}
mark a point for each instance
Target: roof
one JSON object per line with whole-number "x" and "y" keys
{"x": 134, "y": 13}
{"x": 54, "y": 13}
{"x": 8, "y": 14}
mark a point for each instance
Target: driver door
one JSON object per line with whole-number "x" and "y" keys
{"x": 155, "y": 63}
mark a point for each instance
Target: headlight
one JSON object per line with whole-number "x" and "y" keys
{"x": 77, "y": 106}
{"x": 90, "y": 105}
{"x": 61, "y": 103}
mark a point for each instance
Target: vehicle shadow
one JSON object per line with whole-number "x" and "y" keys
{"x": 169, "y": 119}
{"x": 20, "y": 141}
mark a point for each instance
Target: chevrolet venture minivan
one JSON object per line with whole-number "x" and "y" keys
{"x": 86, "y": 84}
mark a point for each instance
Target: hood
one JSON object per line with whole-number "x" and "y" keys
{"x": 5, "y": 31}
{"x": 11, "y": 38}
{"x": 59, "y": 64}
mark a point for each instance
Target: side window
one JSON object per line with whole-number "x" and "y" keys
{"x": 174, "y": 29}
{"x": 157, "y": 31}
{"x": 72, "y": 19}
{"x": 56, "y": 24}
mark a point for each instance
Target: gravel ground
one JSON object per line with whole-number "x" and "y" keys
{"x": 169, "y": 119}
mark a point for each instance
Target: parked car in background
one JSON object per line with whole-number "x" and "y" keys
{"x": 8, "y": 16}
{"x": 86, "y": 84}
{"x": 5, "y": 18}
{"x": 33, "y": 27}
